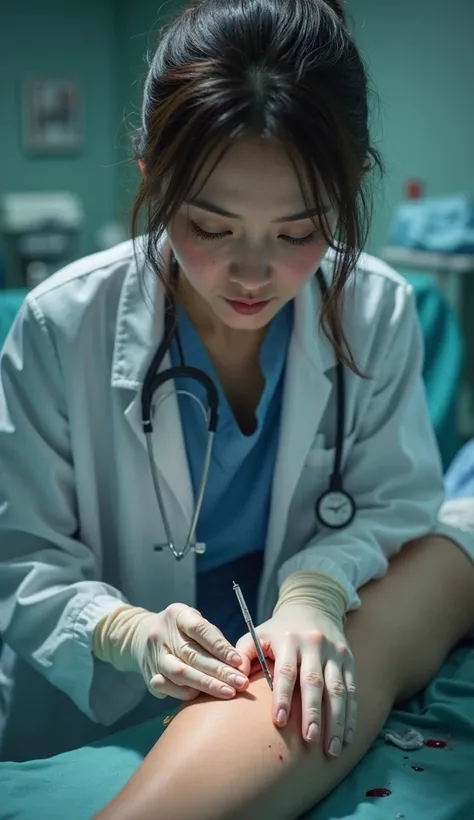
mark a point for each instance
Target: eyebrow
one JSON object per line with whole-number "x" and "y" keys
{"x": 215, "y": 209}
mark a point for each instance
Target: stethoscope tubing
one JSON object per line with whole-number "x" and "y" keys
{"x": 154, "y": 379}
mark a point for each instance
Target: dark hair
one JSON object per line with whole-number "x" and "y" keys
{"x": 286, "y": 70}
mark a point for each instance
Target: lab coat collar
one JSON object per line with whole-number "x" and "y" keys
{"x": 139, "y": 325}
{"x": 139, "y": 329}
{"x": 312, "y": 341}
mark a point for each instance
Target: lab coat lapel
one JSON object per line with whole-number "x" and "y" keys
{"x": 306, "y": 392}
{"x": 168, "y": 444}
{"x": 139, "y": 331}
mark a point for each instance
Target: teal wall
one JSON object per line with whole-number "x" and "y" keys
{"x": 77, "y": 40}
{"x": 420, "y": 55}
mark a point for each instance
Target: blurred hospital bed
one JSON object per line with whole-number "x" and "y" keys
{"x": 431, "y": 783}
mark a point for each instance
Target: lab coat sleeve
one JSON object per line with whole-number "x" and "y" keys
{"x": 51, "y": 595}
{"x": 393, "y": 470}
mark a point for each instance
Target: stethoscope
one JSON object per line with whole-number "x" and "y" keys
{"x": 334, "y": 508}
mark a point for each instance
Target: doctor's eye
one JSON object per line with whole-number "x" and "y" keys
{"x": 197, "y": 231}
{"x": 314, "y": 236}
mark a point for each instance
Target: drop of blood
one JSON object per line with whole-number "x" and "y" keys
{"x": 378, "y": 793}
{"x": 436, "y": 744}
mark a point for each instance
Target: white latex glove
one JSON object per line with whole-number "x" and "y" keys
{"x": 178, "y": 652}
{"x": 309, "y": 644}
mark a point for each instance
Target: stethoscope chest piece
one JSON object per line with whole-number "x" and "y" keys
{"x": 335, "y": 509}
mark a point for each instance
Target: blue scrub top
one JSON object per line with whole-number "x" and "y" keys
{"x": 234, "y": 515}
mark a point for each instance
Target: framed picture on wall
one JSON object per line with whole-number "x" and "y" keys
{"x": 52, "y": 116}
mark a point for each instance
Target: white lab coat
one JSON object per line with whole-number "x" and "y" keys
{"x": 78, "y": 514}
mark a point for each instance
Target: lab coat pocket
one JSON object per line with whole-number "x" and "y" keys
{"x": 324, "y": 457}
{"x": 304, "y": 524}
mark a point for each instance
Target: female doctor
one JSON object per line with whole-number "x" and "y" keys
{"x": 245, "y": 340}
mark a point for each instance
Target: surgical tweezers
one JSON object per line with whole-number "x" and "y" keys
{"x": 251, "y": 628}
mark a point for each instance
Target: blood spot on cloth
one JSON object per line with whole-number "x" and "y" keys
{"x": 436, "y": 744}
{"x": 417, "y": 769}
{"x": 378, "y": 793}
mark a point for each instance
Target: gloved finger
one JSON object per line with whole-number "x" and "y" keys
{"x": 285, "y": 674}
{"x": 247, "y": 649}
{"x": 244, "y": 665}
{"x": 207, "y": 635}
{"x": 351, "y": 702}
{"x": 312, "y": 687}
{"x": 334, "y": 707}
{"x": 181, "y": 674}
{"x": 160, "y": 688}
{"x": 194, "y": 655}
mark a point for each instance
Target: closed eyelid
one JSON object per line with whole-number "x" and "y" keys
{"x": 208, "y": 216}
{"x": 305, "y": 230}
{"x": 208, "y": 225}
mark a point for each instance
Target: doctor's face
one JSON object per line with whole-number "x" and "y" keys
{"x": 245, "y": 242}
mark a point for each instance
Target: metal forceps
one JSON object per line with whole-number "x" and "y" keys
{"x": 251, "y": 628}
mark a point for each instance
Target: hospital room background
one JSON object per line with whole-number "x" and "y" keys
{"x": 70, "y": 85}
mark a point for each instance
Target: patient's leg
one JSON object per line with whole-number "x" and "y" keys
{"x": 225, "y": 760}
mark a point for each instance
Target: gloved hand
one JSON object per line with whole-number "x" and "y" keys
{"x": 307, "y": 629}
{"x": 177, "y": 651}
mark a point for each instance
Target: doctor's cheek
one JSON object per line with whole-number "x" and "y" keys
{"x": 192, "y": 254}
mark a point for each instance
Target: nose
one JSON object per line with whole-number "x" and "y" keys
{"x": 251, "y": 270}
